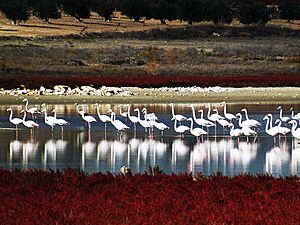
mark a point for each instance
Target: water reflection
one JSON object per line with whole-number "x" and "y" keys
{"x": 100, "y": 149}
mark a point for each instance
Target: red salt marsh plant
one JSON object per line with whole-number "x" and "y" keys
{"x": 153, "y": 81}
{"x": 73, "y": 197}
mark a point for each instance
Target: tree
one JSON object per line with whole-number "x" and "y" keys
{"x": 16, "y": 10}
{"x": 220, "y": 11}
{"x": 77, "y": 8}
{"x": 289, "y": 10}
{"x": 193, "y": 10}
{"x": 46, "y": 9}
{"x": 135, "y": 9}
{"x": 164, "y": 10}
{"x": 253, "y": 13}
{"x": 104, "y": 8}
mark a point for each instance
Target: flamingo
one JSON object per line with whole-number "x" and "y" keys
{"x": 200, "y": 121}
{"x": 248, "y": 132}
{"x": 177, "y": 117}
{"x": 235, "y": 132}
{"x": 227, "y": 115}
{"x": 181, "y": 128}
{"x": 118, "y": 124}
{"x": 196, "y": 131}
{"x": 123, "y": 114}
{"x": 272, "y": 131}
{"x": 245, "y": 123}
{"x": 28, "y": 123}
{"x": 295, "y": 117}
{"x": 32, "y": 110}
{"x": 85, "y": 116}
{"x": 16, "y": 121}
{"x": 49, "y": 120}
{"x": 150, "y": 116}
{"x": 214, "y": 117}
{"x": 144, "y": 123}
{"x": 59, "y": 121}
{"x": 133, "y": 119}
{"x": 251, "y": 122}
{"x": 103, "y": 118}
{"x": 282, "y": 130}
{"x": 161, "y": 126}
{"x": 295, "y": 131}
{"x": 284, "y": 119}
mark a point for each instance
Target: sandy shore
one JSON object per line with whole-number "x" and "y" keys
{"x": 249, "y": 95}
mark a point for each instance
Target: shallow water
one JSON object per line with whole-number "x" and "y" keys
{"x": 106, "y": 150}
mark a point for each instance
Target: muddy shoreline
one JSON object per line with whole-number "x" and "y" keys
{"x": 248, "y": 95}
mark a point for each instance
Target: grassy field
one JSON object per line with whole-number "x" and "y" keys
{"x": 123, "y": 49}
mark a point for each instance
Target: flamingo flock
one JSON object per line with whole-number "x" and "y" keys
{"x": 235, "y": 125}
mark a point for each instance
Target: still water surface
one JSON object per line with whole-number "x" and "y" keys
{"x": 99, "y": 150}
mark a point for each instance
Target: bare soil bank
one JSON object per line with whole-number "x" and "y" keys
{"x": 150, "y": 55}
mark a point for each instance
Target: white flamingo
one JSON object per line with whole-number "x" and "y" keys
{"x": 103, "y": 118}
{"x": 227, "y": 115}
{"x": 248, "y": 132}
{"x": 284, "y": 119}
{"x": 200, "y": 121}
{"x": 118, "y": 124}
{"x": 59, "y": 121}
{"x": 282, "y": 130}
{"x": 144, "y": 123}
{"x": 150, "y": 116}
{"x": 181, "y": 128}
{"x": 32, "y": 110}
{"x": 86, "y": 117}
{"x": 49, "y": 120}
{"x": 270, "y": 130}
{"x": 294, "y": 117}
{"x": 213, "y": 117}
{"x": 295, "y": 131}
{"x": 133, "y": 119}
{"x": 123, "y": 114}
{"x": 161, "y": 126}
{"x": 16, "y": 121}
{"x": 28, "y": 123}
{"x": 251, "y": 122}
{"x": 197, "y": 132}
{"x": 245, "y": 123}
{"x": 235, "y": 132}
{"x": 177, "y": 117}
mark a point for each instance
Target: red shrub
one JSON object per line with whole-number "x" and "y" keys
{"x": 72, "y": 197}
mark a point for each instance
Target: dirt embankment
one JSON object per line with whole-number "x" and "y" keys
{"x": 200, "y": 55}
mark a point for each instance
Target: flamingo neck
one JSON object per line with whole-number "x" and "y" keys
{"x": 246, "y": 114}
{"x": 138, "y": 114}
{"x": 10, "y": 116}
{"x": 280, "y": 114}
{"x": 208, "y": 113}
{"x": 24, "y": 117}
{"x": 240, "y": 120}
{"x": 98, "y": 111}
{"x": 173, "y": 113}
{"x": 271, "y": 122}
{"x": 292, "y": 113}
{"x": 192, "y": 125}
{"x": 194, "y": 114}
{"x": 267, "y": 124}
{"x": 225, "y": 110}
{"x": 26, "y": 105}
{"x": 201, "y": 114}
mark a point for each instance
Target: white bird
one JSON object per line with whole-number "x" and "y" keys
{"x": 177, "y": 117}
{"x": 86, "y": 117}
{"x": 161, "y": 126}
{"x": 49, "y": 120}
{"x": 203, "y": 121}
{"x": 32, "y": 110}
{"x": 103, "y": 118}
{"x": 245, "y": 123}
{"x": 28, "y": 123}
{"x": 235, "y": 132}
{"x": 118, "y": 124}
{"x": 150, "y": 116}
{"x": 214, "y": 117}
{"x": 270, "y": 130}
{"x": 133, "y": 119}
{"x": 248, "y": 132}
{"x": 295, "y": 131}
{"x": 181, "y": 128}
{"x": 59, "y": 121}
{"x": 196, "y": 131}
{"x": 284, "y": 119}
{"x": 227, "y": 115}
{"x": 16, "y": 121}
{"x": 223, "y": 123}
{"x": 251, "y": 122}
{"x": 200, "y": 121}
{"x": 123, "y": 114}
{"x": 282, "y": 130}
{"x": 294, "y": 117}
{"x": 144, "y": 123}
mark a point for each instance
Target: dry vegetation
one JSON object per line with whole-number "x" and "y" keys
{"x": 122, "y": 47}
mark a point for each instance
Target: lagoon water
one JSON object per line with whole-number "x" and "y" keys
{"x": 106, "y": 151}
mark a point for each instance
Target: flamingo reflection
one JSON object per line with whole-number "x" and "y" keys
{"x": 50, "y": 149}
{"x": 29, "y": 149}
{"x": 87, "y": 150}
{"x": 179, "y": 149}
{"x": 276, "y": 157}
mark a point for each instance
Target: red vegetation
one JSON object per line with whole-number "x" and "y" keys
{"x": 35, "y": 81}
{"x": 72, "y": 197}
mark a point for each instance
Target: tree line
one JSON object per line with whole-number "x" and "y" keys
{"x": 218, "y": 11}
